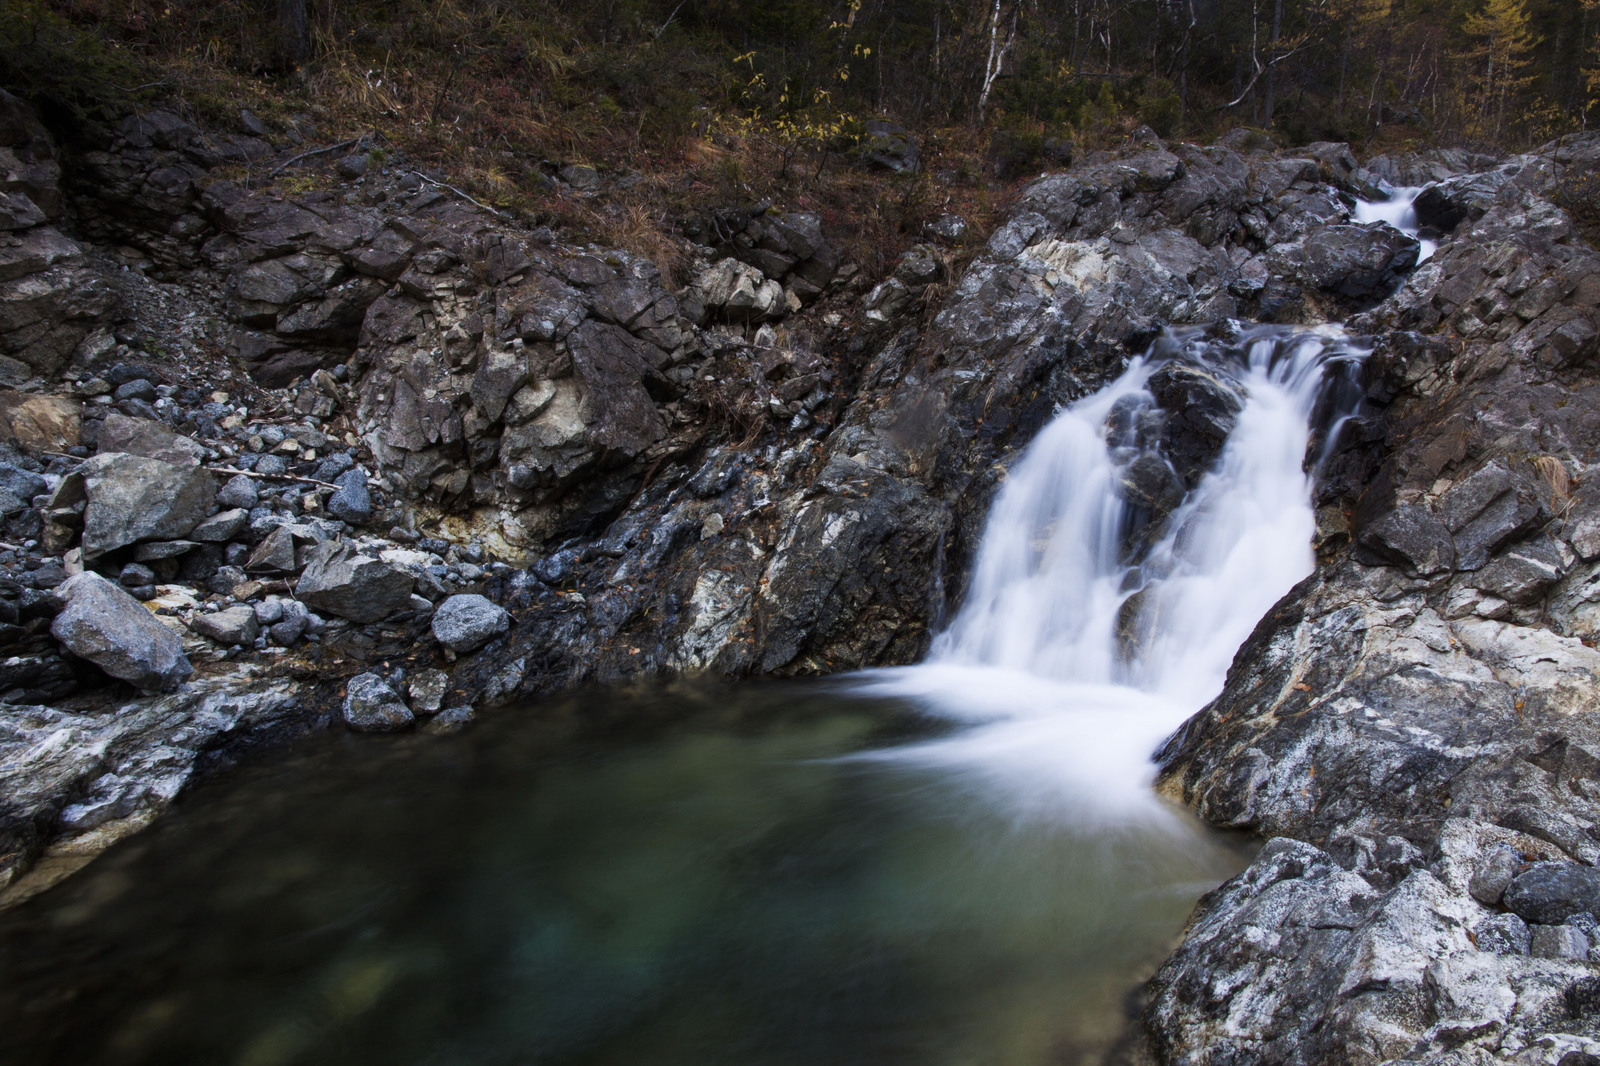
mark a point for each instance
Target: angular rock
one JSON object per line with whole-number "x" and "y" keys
{"x": 221, "y": 527}
{"x": 427, "y": 690}
{"x": 1201, "y": 412}
{"x": 1411, "y": 536}
{"x": 1559, "y": 942}
{"x": 140, "y": 436}
{"x": 339, "y": 580}
{"x": 1503, "y": 934}
{"x": 371, "y": 706}
{"x": 240, "y": 491}
{"x": 132, "y": 498}
{"x": 1521, "y": 575}
{"x": 40, "y": 423}
{"x": 274, "y": 555}
{"x": 351, "y": 502}
{"x": 236, "y": 625}
{"x": 108, "y": 627}
{"x": 465, "y": 622}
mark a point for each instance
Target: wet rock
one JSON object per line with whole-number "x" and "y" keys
{"x": 449, "y": 721}
{"x": 466, "y": 622}
{"x": 132, "y": 498}
{"x": 1358, "y": 263}
{"x": 1411, "y": 536}
{"x": 235, "y": 625}
{"x": 1201, "y": 412}
{"x": 108, "y": 627}
{"x": 339, "y": 580}
{"x": 1551, "y": 892}
{"x": 371, "y": 706}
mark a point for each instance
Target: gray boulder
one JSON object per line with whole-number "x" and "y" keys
{"x": 463, "y": 623}
{"x": 132, "y": 498}
{"x": 351, "y": 502}
{"x": 340, "y": 581}
{"x": 236, "y": 625}
{"x": 220, "y": 528}
{"x": 140, "y": 436}
{"x": 108, "y": 627}
{"x": 240, "y": 491}
{"x": 1551, "y": 892}
{"x": 371, "y": 706}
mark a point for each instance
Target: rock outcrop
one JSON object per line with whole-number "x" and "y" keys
{"x": 1415, "y": 725}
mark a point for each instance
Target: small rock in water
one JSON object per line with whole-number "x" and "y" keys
{"x": 371, "y": 706}
{"x": 450, "y": 720}
{"x": 463, "y": 623}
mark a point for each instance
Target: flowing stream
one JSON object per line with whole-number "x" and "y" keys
{"x": 756, "y": 874}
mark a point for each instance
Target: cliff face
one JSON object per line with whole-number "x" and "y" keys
{"x": 299, "y": 425}
{"x": 1415, "y": 724}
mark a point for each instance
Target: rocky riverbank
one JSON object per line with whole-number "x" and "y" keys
{"x": 371, "y": 456}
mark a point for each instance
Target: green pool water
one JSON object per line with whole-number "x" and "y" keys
{"x": 662, "y": 876}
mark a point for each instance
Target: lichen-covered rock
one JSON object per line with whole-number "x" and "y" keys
{"x": 108, "y": 627}
{"x": 466, "y": 622}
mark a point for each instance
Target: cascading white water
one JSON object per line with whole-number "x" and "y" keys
{"x": 1061, "y": 708}
{"x": 1399, "y": 211}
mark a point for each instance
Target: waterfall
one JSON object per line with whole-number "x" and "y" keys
{"x": 1399, "y": 211}
{"x": 1080, "y": 646}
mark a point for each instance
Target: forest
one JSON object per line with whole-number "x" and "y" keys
{"x": 751, "y": 99}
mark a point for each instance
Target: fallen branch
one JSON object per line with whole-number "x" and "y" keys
{"x": 286, "y": 164}
{"x": 279, "y": 477}
{"x": 493, "y": 211}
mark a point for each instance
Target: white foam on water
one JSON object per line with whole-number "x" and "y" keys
{"x": 1399, "y": 211}
{"x": 1058, "y": 713}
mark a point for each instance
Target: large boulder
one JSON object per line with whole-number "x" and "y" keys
{"x": 108, "y": 627}
{"x": 140, "y": 436}
{"x": 132, "y": 498}
{"x": 463, "y": 623}
{"x": 341, "y": 581}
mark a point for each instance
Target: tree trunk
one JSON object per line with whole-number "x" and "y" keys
{"x": 294, "y": 33}
{"x": 1272, "y": 61}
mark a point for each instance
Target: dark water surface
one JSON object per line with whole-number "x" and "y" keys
{"x": 622, "y": 877}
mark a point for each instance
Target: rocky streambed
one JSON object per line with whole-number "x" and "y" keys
{"x": 373, "y": 457}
